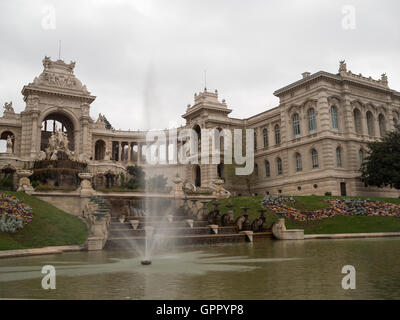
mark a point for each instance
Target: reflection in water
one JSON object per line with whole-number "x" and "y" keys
{"x": 261, "y": 270}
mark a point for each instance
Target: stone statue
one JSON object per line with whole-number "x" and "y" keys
{"x": 384, "y": 79}
{"x": 101, "y": 118}
{"x": 58, "y": 142}
{"x": 41, "y": 156}
{"x": 9, "y": 144}
{"x": 107, "y": 155}
{"x": 8, "y": 107}
{"x": 342, "y": 66}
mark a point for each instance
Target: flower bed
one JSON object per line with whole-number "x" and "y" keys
{"x": 13, "y": 211}
{"x": 338, "y": 207}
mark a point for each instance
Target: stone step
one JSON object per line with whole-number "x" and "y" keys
{"x": 123, "y": 242}
{"x": 173, "y": 231}
{"x": 151, "y": 218}
{"x": 159, "y": 224}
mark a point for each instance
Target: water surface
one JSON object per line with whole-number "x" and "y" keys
{"x": 269, "y": 269}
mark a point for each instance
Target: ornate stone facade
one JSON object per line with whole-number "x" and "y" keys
{"x": 311, "y": 143}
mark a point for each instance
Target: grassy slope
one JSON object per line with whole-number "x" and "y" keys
{"x": 50, "y": 227}
{"x": 311, "y": 203}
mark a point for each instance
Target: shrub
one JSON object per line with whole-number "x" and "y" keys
{"x": 328, "y": 194}
{"x": 6, "y": 183}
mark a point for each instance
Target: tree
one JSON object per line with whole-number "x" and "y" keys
{"x": 138, "y": 180}
{"x": 381, "y": 167}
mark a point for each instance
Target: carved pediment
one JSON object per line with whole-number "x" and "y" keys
{"x": 58, "y": 74}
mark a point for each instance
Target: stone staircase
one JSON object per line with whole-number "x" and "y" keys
{"x": 175, "y": 231}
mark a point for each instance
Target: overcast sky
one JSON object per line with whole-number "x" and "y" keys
{"x": 145, "y": 59}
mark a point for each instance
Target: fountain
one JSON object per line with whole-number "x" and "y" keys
{"x": 149, "y": 235}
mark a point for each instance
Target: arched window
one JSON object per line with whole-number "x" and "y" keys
{"x": 338, "y": 157}
{"x": 357, "y": 120}
{"x": 256, "y": 169}
{"x": 382, "y": 125}
{"x": 3, "y": 139}
{"x": 255, "y": 140}
{"x": 334, "y": 117}
{"x": 370, "y": 123}
{"x": 99, "y": 150}
{"x": 361, "y": 156}
{"x": 267, "y": 168}
{"x": 279, "y": 166}
{"x": 314, "y": 158}
{"x": 265, "y": 137}
{"x": 277, "y": 134}
{"x": 299, "y": 166}
{"x": 296, "y": 125}
{"x": 312, "y": 123}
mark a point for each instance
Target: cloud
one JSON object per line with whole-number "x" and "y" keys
{"x": 144, "y": 59}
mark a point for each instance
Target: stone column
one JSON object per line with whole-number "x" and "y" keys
{"x": 347, "y": 117}
{"x": 85, "y": 144}
{"x": 323, "y": 111}
{"x": 34, "y": 137}
{"x": 139, "y": 153}
{"x": 129, "y": 152}
{"x": 119, "y": 151}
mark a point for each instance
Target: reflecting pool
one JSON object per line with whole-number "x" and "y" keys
{"x": 309, "y": 269}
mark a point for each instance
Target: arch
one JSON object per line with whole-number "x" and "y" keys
{"x": 99, "y": 150}
{"x": 54, "y": 121}
{"x": 265, "y": 137}
{"x": 296, "y": 125}
{"x": 339, "y": 157}
{"x": 267, "y": 168}
{"x": 361, "y": 156}
{"x": 312, "y": 122}
{"x": 299, "y": 166}
{"x": 382, "y": 124}
{"x": 314, "y": 159}
{"x": 357, "y": 120}
{"x": 279, "y": 166}
{"x": 334, "y": 117}
{"x": 220, "y": 170}
{"x": 370, "y": 123}
{"x": 4, "y": 135}
{"x": 197, "y": 175}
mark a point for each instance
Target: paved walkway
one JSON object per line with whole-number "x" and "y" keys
{"x": 351, "y": 235}
{"x": 39, "y": 251}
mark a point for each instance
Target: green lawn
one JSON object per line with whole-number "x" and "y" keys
{"x": 349, "y": 224}
{"x": 50, "y": 227}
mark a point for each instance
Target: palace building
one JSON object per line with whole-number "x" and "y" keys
{"x": 313, "y": 142}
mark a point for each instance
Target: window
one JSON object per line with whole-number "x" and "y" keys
{"x": 314, "y": 158}
{"x": 298, "y": 162}
{"x": 395, "y": 122}
{"x": 312, "y": 123}
{"x": 255, "y": 140}
{"x": 334, "y": 117}
{"x": 357, "y": 120}
{"x": 267, "y": 168}
{"x": 265, "y": 137}
{"x": 338, "y": 157}
{"x": 296, "y": 125}
{"x": 370, "y": 123}
{"x": 361, "y": 155}
{"x": 382, "y": 125}
{"x": 279, "y": 166}
{"x": 277, "y": 134}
